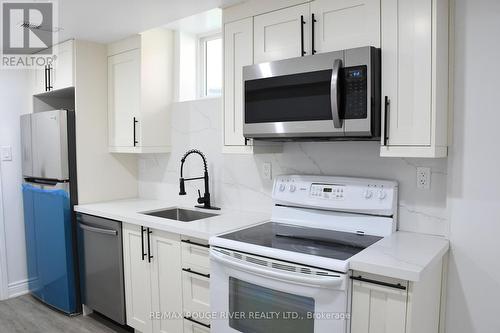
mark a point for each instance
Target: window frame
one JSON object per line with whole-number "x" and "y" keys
{"x": 202, "y": 62}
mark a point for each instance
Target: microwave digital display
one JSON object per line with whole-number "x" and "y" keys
{"x": 355, "y": 73}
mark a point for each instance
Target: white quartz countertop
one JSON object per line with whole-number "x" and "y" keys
{"x": 129, "y": 211}
{"x": 403, "y": 255}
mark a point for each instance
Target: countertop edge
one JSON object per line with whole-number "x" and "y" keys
{"x": 393, "y": 271}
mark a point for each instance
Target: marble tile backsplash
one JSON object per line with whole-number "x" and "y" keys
{"x": 236, "y": 181}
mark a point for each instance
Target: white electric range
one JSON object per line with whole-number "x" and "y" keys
{"x": 290, "y": 274}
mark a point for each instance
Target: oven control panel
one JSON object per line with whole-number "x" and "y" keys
{"x": 337, "y": 193}
{"x": 327, "y": 191}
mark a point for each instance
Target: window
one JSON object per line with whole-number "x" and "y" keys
{"x": 210, "y": 66}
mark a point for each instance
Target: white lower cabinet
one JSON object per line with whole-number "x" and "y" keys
{"x": 152, "y": 268}
{"x": 387, "y": 305}
{"x": 378, "y": 308}
{"x": 166, "y": 281}
{"x": 196, "y": 284}
{"x": 192, "y": 327}
{"x": 137, "y": 273}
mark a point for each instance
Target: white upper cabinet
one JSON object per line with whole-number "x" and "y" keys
{"x": 345, "y": 24}
{"x": 59, "y": 74}
{"x": 124, "y": 97}
{"x": 140, "y": 76}
{"x": 282, "y": 34}
{"x": 238, "y": 52}
{"x": 62, "y": 72}
{"x": 414, "y": 78}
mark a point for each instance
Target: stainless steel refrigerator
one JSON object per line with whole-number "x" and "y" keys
{"x": 49, "y": 194}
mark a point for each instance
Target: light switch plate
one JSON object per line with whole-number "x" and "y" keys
{"x": 6, "y": 153}
{"x": 267, "y": 171}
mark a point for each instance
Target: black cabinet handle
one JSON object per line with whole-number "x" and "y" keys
{"x": 134, "y": 123}
{"x": 302, "y": 23}
{"x": 313, "y": 20}
{"x": 380, "y": 283}
{"x": 149, "y": 246}
{"x": 187, "y": 241}
{"x": 386, "y": 119}
{"x": 196, "y": 322}
{"x": 142, "y": 242}
{"x": 49, "y": 81}
{"x": 189, "y": 270}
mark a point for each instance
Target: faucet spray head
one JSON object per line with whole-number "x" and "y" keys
{"x": 182, "y": 187}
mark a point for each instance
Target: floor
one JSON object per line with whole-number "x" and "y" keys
{"x": 28, "y": 315}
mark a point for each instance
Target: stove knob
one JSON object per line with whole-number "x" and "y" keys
{"x": 282, "y": 187}
{"x": 292, "y": 188}
{"x": 382, "y": 194}
{"x": 368, "y": 194}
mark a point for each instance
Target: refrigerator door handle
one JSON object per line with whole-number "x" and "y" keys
{"x": 42, "y": 181}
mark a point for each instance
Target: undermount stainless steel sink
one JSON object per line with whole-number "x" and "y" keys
{"x": 179, "y": 214}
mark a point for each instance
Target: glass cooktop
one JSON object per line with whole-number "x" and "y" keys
{"x": 319, "y": 242}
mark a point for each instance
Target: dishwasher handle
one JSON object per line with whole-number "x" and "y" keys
{"x": 109, "y": 232}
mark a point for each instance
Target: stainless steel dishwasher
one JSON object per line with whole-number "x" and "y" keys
{"x": 101, "y": 266}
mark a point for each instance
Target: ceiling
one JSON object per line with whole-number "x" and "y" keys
{"x": 110, "y": 20}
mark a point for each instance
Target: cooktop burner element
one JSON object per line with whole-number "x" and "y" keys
{"x": 314, "y": 241}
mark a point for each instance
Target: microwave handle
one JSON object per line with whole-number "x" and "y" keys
{"x": 324, "y": 281}
{"x": 334, "y": 93}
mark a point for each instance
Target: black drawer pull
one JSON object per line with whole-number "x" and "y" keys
{"x": 385, "y": 284}
{"x": 149, "y": 245}
{"x": 189, "y": 270}
{"x": 142, "y": 242}
{"x": 187, "y": 241}
{"x": 196, "y": 322}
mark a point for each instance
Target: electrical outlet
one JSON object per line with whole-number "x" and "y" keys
{"x": 423, "y": 178}
{"x": 267, "y": 171}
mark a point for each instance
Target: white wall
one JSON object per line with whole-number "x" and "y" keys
{"x": 237, "y": 182}
{"x": 14, "y": 100}
{"x": 474, "y": 165}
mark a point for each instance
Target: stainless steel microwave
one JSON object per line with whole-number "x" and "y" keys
{"x": 333, "y": 95}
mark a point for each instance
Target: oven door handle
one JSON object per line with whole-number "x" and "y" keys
{"x": 323, "y": 281}
{"x": 334, "y": 93}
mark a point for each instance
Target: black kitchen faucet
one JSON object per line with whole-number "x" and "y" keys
{"x": 205, "y": 199}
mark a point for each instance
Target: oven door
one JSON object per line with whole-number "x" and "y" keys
{"x": 251, "y": 294}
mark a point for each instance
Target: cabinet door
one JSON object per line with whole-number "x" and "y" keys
{"x": 277, "y": 35}
{"x": 39, "y": 81}
{"x": 124, "y": 83}
{"x": 238, "y": 52}
{"x": 192, "y": 327}
{"x": 137, "y": 273}
{"x": 406, "y": 42}
{"x": 167, "y": 280}
{"x": 61, "y": 75}
{"x": 345, "y": 24}
{"x": 377, "y": 309}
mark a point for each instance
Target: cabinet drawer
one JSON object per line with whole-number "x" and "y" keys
{"x": 195, "y": 253}
{"x": 192, "y": 327}
{"x": 196, "y": 293}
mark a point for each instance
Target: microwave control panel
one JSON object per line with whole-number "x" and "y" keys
{"x": 355, "y": 92}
